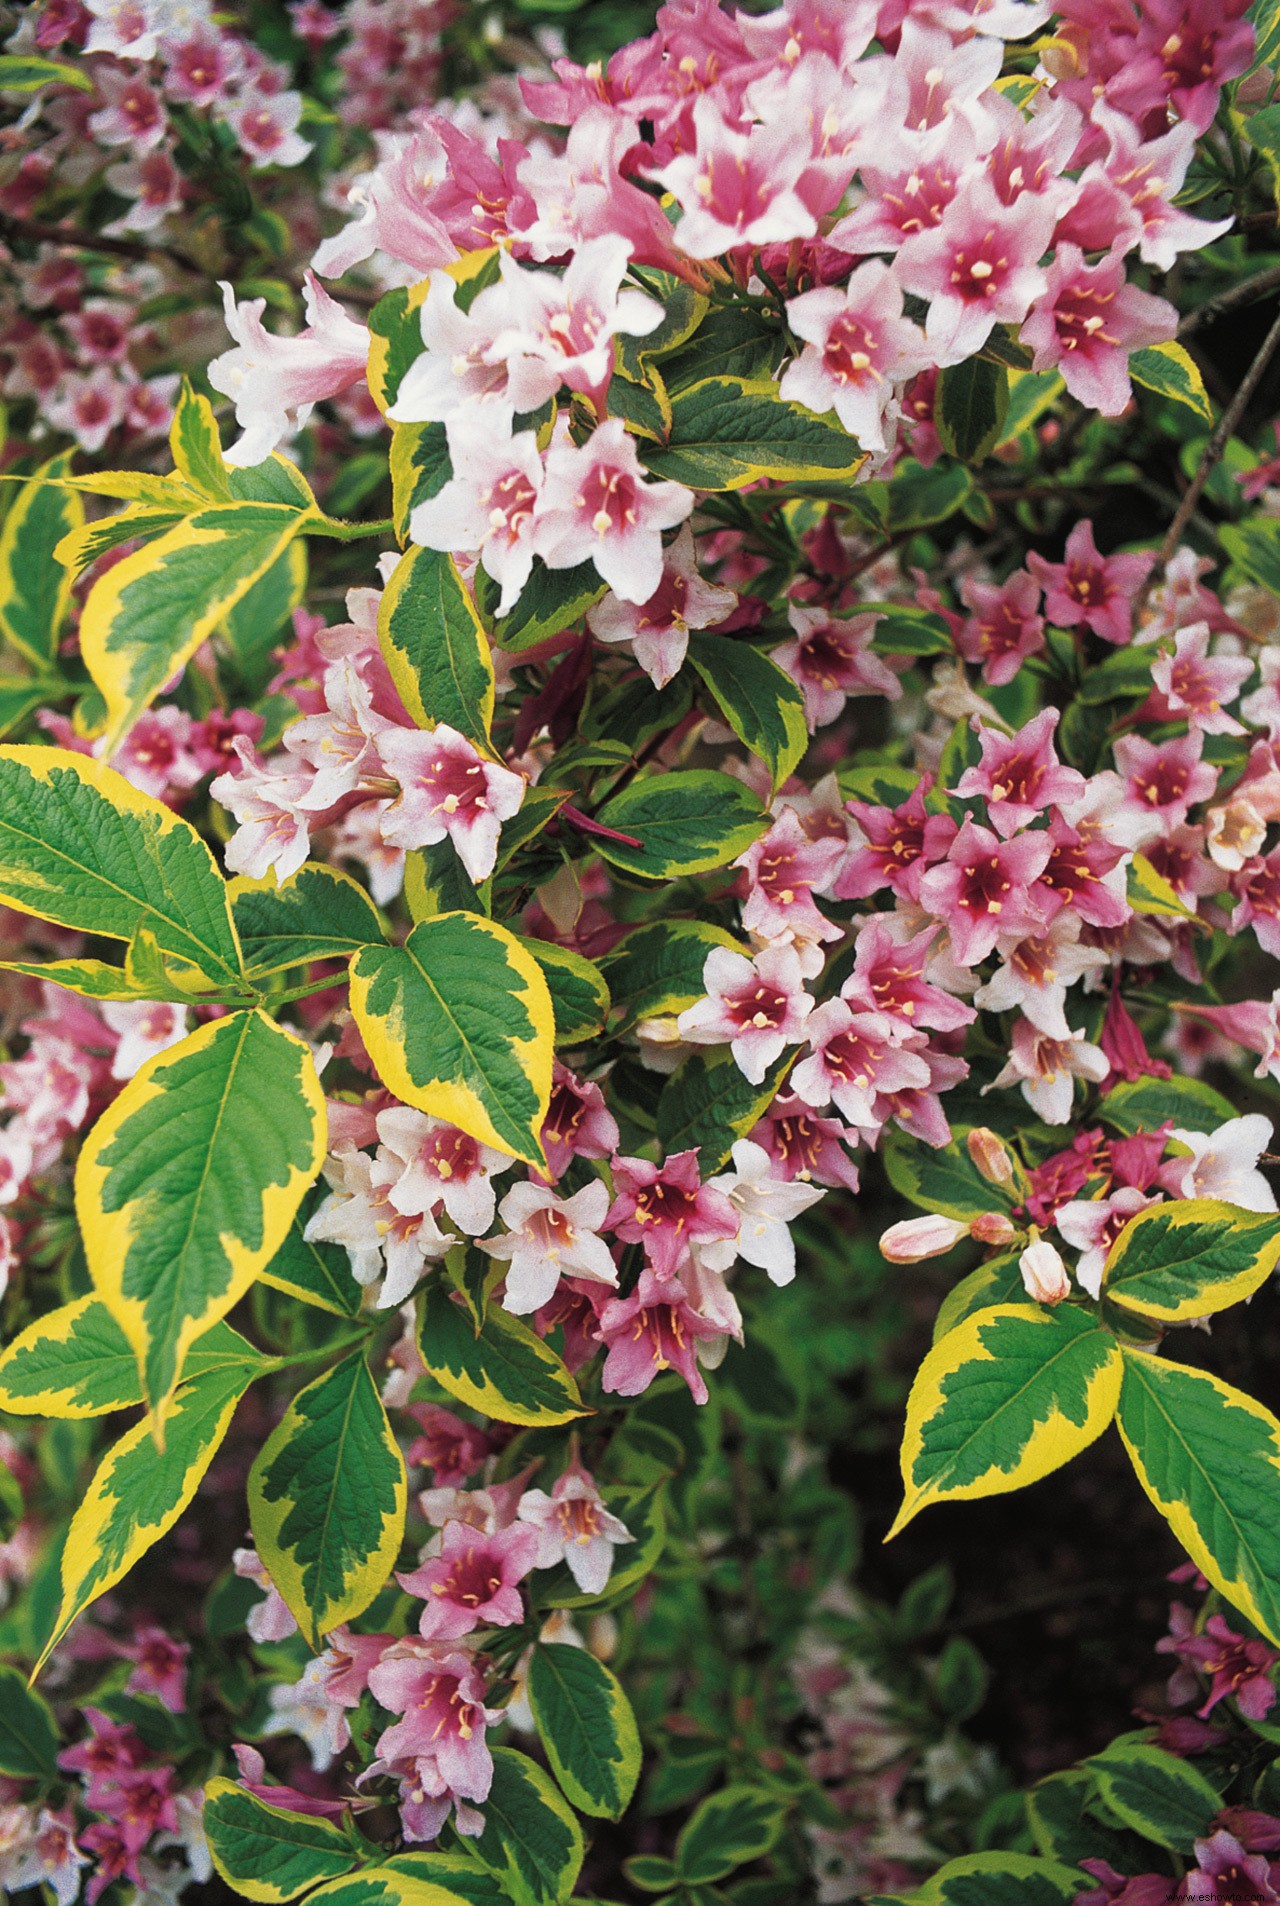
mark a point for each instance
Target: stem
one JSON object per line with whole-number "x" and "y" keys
{"x": 1244, "y": 293}
{"x": 333, "y": 1349}
{"x": 341, "y": 532}
{"x": 39, "y": 233}
{"x": 1217, "y": 444}
{"x": 304, "y": 992}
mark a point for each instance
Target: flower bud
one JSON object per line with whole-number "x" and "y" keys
{"x": 990, "y": 1156}
{"x": 918, "y": 1238}
{"x": 1044, "y": 1273}
{"x": 602, "y": 1637}
{"x": 993, "y": 1227}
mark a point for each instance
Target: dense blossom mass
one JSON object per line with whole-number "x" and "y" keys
{"x": 832, "y": 815}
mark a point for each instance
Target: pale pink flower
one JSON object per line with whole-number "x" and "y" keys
{"x": 438, "y": 1747}
{"x": 1087, "y": 322}
{"x": 978, "y": 267}
{"x": 266, "y": 125}
{"x": 1019, "y": 775}
{"x": 306, "y": 1708}
{"x": 101, "y": 331}
{"x": 42, "y": 1852}
{"x": 908, "y": 197}
{"x": 133, "y": 114}
{"x": 1035, "y": 971}
{"x": 580, "y": 193}
{"x": 548, "y": 1238}
{"x": 159, "y": 755}
{"x": 439, "y": 1166}
{"x": 858, "y": 347}
{"x": 145, "y": 1027}
{"x": 1150, "y": 173}
{"x": 398, "y": 211}
{"x": 1092, "y": 1225}
{"x": 126, "y": 28}
{"x": 854, "y": 1056}
{"x": 1163, "y": 781}
{"x": 1046, "y": 1069}
{"x": 756, "y": 1006}
{"x": 468, "y": 1580}
{"x": 1197, "y": 687}
{"x": 447, "y": 789}
{"x": 574, "y": 1527}
{"x": 1224, "y": 1164}
{"x": 461, "y": 363}
{"x": 737, "y": 187}
{"x": 274, "y": 381}
{"x": 265, "y": 797}
{"x": 338, "y": 745}
{"x": 658, "y": 629}
{"x": 489, "y": 503}
{"x": 832, "y": 658}
{"x": 88, "y": 408}
{"x": 202, "y": 67}
{"x": 377, "y": 1238}
{"x": 596, "y": 506}
{"x": 914, "y": 1239}
{"x": 559, "y": 328}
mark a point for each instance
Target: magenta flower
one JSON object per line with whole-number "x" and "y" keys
{"x": 667, "y": 1208}
{"x": 574, "y": 1526}
{"x": 856, "y": 1055}
{"x": 804, "y": 1145}
{"x": 1233, "y": 1875}
{"x": 273, "y": 379}
{"x": 1090, "y": 589}
{"x": 578, "y": 1123}
{"x": 1084, "y": 872}
{"x": 653, "y": 1330}
{"x": 447, "y": 789}
{"x": 756, "y": 1006}
{"x": 906, "y": 199}
{"x": 1004, "y": 626}
{"x": 1020, "y": 775}
{"x": 832, "y": 659}
{"x": 857, "y": 348}
{"x": 658, "y": 630}
{"x": 979, "y": 267}
{"x": 902, "y": 843}
{"x": 470, "y": 1582}
{"x": 1087, "y": 322}
{"x": 438, "y": 1747}
{"x": 1196, "y": 687}
{"x": 987, "y": 887}
{"x": 780, "y": 872}
{"x": 889, "y": 977}
{"x": 160, "y": 1667}
{"x": 451, "y": 1449}
{"x": 596, "y": 506}
{"x": 1145, "y": 1889}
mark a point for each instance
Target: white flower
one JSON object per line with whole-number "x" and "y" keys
{"x": 766, "y": 1207}
{"x": 549, "y": 1238}
{"x": 303, "y": 1708}
{"x": 1224, "y": 1164}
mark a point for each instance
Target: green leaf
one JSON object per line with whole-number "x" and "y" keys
{"x": 1143, "y": 1105}
{"x": 73, "y": 1362}
{"x": 587, "y": 1728}
{"x": 315, "y": 1273}
{"x": 683, "y": 310}
{"x": 80, "y": 846}
{"x": 459, "y": 1022}
{"x": 993, "y": 1879}
{"x": 28, "y": 1732}
{"x": 25, "y": 73}
{"x": 1209, "y": 1458}
{"x": 186, "y": 1186}
{"x": 998, "y": 1281}
{"x": 504, "y": 1371}
{"x": 196, "y": 446}
{"x": 435, "y": 647}
{"x": 397, "y": 1883}
{"x": 531, "y": 1840}
{"x": 1008, "y": 1396}
{"x": 579, "y": 995}
{"x": 420, "y": 468}
{"x": 552, "y": 600}
{"x": 253, "y": 624}
{"x": 138, "y": 1491}
{"x": 942, "y": 1178}
{"x": 727, "y": 432}
{"x": 902, "y": 631}
{"x": 657, "y": 969}
{"x": 1161, "y": 1797}
{"x": 458, "y": 1878}
{"x": 264, "y": 1853}
{"x": 327, "y": 1499}
{"x": 708, "y": 1104}
{"x": 687, "y": 823}
{"x": 20, "y": 697}
{"x": 1189, "y": 1259}
{"x": 319, "y": 913}
{"x": 146, "y": 616}
{"x": 35, "y": 590}
{"x": 738, "y": 1824}
{"x": 395, "y": 326}
{"x": 918, "y": 498}
{"x": 758, "y": 700}
{"x": 970, "y": 408}
{"x": 651, "y": 1873}
{"x": 1171, "y": 371}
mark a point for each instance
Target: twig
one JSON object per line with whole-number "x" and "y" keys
{"x": 40, "y": 234}
{"x": 1216, "y": 445}
{"x": 1214, "y": 308}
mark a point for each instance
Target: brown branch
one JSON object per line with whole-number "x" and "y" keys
{"x": 1245, "y": 293}
{"x": 40, "y": 234}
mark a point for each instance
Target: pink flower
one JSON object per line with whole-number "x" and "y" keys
{"x": 145, "y": 1027}
{"x": 858, "y": 347}
{"x": 658, "y": 630}
{"x": 1150, "y": 173}
{"x": 1020, "y": 775}
{"x": 469, "y": 1581}
{"x": 1236, "y": 1666}
{"x": 1197, "y": 687}
{"x": 902, "y": 843}
{"x": 202, "y": 67}
{"x": 805, "y": 1146}
{"x": 757, "y": 1006}
{"x": 1004, "y": 626}
{"x": 160, "y": 1667}
{"x": 737, "y": 187}
{"x": 565, "y": 198}
{"x": 780, "y": 872}
{"x": 548, "y": 1238}
{"x": 159, "y": 754}
{"x": 447, "y": 789}
{"x": 441, "y": 1737}
{"x": 269, "y": 1620}
{"x": 832, "y": 658}
{"x": 906, "y": 199}
{"x": 400, "y": 209}
{"x": 855, "y": 1056}
{"x": 265, "y": 798}
{"x": 270, "y": 377}
{"x": 889, "y": 977}
{"x": 1046, "y": 1069}
{"x": 439, "y": 1166}
{"x": 1084, "y": 873}
{"x": 266, "y": 124}
{"x": 653, "y": 1330}
{"x": 133, "y": 114}
{"x": 978, "y": 267}
{"x": 667, "y": 1208}
{"x": 596, "y": 506}
{"x": 1086, "y": 324}
{"x": 290, "y": 1799}
{"x": 1090, "y": 589}
{"x": 915, "y": 1239}
{"x": 987, "y": 887}
{"x": 574, "y": 1527}
{"x": 87, "y": 408}
{"x": 461, "y": 364}
{"x": 559, "y": 328}
{"x": 1035, "y": 972}
{"x": 451, "y": 1449}
{"x": 489, "y": 503}
{"x": 578, "y": 1123}
{"x": 1163, "y": 782}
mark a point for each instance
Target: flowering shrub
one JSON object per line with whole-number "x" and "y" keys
{"x": 454, "y": 958}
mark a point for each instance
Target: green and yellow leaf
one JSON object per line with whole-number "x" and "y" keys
{"x": 657, "y": 969}
{"x": 1149, "y": 892}
{"x": 459, "y": 1022}
{"x": 1170, "y": 371}
{"x": 196, "y": 446}
{"x": 319, "y": 913}
{"x": 1209, "y": 1458}
{"x": 265, "y": 1853}
{"x": 435, "y": 646}
{"x": 327, "y": 1499}
{"x": 587, "y": 1729}
{"x": 80, "y": 846}
{"x": 1190, "y": 1258}
{"x": 994, "y": 1879}
{"x": 35, "y": 591}
{"x": 399, "y": 1883}
{"x": 760, "y": 702}
{"x": 708, "y": 1104}
{"x": 314, "y": 1272}
{"x": 187, "y": 1184}
{"x": 74, "y": 1362}
{"x": 505, "y": 1371}
{"x": 1163, "y": 1798}
{"x": 686, "y": 823}
{"x": 727, "y": 432}
{"x": 1011, "y": 1394}
{"x": 729, "y": 1828}
{"x": 579, "y": 994}
{"x": 532, "y": 1840}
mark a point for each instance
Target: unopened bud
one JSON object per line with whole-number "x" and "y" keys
{"x": 602, "y": 1637}
{"x": 990, "y": 1156}
{"x": 918, "y": 1238}
{"x": 1043, "y": 1273}
{"x": 994, "y": 1228}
